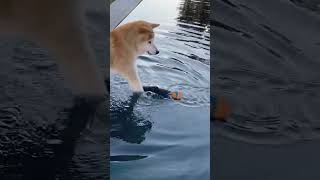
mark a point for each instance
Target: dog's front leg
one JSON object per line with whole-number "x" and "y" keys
{"x": 134, "y": 80}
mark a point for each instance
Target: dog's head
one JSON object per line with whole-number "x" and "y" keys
{"x": 145, "y": 38}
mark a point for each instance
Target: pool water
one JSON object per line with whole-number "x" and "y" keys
{"x": 266, "y": 63}
{"x": 158, "y": 138}
{"x": 268, "y": 68}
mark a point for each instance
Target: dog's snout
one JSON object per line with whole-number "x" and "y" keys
{"x": 157, "y": 52}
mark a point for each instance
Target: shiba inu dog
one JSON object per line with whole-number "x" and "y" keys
{"x": 127, "y": 42}
{"x": 59, "y": 26}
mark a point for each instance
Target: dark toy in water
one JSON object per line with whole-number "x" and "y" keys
{"x": 176, "y": 95}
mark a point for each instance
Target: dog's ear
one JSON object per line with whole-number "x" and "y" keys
{"x": 154, "y": 25}
{"x": 144, "y": 30}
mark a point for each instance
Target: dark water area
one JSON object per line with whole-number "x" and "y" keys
{"x": 43, "y": 132}
{"x": 265, "y": 60}
{"x": 267, "y": 64}
{"x": 155, "y": 138}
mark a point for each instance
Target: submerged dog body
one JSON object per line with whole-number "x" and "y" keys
{"x": 58, "y": 25}
{"x": 127, "y": 42}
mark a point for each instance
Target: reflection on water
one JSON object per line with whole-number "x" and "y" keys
{"x": 154, "y": 138}
{"x": 194, "y": 12}
{"x": 127, "y": 124}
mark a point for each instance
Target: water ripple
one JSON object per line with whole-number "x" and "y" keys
{"x": 268, "y": 72}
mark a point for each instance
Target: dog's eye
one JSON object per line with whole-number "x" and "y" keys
{"x": 149, "y": 42}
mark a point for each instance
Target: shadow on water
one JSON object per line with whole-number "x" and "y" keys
{"x": 126, "y": 124}
{"x": 129, "y": 126}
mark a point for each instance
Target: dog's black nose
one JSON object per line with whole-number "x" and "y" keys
{"x": 157, "y": 52}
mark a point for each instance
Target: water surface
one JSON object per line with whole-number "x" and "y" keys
{"x": 266, "y": 62}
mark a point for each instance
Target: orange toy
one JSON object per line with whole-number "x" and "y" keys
{"x": 177, "y": 95}
{"x": 222, "y": 110}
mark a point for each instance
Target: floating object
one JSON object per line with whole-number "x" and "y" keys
{"x": 222, "y": 110}
{"x": 176, "y": 95}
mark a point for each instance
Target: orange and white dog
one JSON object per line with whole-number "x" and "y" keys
{"x": 58, "y": 25}
{"x": 127, "y": 42}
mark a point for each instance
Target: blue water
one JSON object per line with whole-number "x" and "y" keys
{"x": 158, "y": 138}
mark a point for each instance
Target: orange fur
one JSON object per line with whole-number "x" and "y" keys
{"x": 127, "y": 42}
